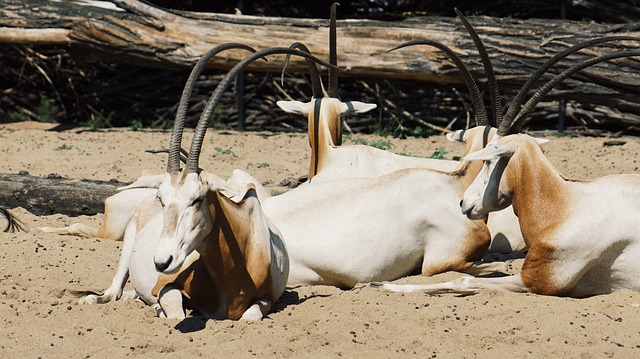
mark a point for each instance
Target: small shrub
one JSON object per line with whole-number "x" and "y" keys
{"x": 64, "y": 147}
{"x": 227, "y": 151}
{"x": 439, "y": 154}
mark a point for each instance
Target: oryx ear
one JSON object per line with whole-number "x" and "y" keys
{"x": 456, "y": 136}
{"x": 236, "y": 192}
{"x": 492, "y": 151}
{"x": 302, "y": 108}
{"x": 350, "y": 107}
{"x": 541, "y": 141}
{"x": 241, "y": 177}
{"x": 145, "y": 182}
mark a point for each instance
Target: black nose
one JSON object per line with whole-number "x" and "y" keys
{"x": 461, "y": 203}
{"x": 161, "y": 267}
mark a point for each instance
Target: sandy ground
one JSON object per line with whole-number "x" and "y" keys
{"x": 41, "y": 319}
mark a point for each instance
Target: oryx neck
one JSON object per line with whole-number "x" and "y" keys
{"x": 325, "y": 132}
{"x": 538, "y": 192}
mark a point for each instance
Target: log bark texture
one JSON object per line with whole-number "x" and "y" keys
{"x": 54, "y": 194}
{"x": 128, "y": 30}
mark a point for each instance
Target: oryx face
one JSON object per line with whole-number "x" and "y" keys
{"x": 186, "y": 219}
{"x": 488, "y": 192}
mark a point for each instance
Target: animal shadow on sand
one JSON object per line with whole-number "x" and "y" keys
{"x": 198, "y": 322}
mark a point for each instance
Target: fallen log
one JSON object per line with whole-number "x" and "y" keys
{"x": 55, "y": 194}
{"x": 132, "y": 31}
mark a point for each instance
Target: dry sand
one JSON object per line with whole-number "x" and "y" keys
{"x": 41, "y": 319}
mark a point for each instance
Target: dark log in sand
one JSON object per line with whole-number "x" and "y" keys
{"x": 55, "y": 194}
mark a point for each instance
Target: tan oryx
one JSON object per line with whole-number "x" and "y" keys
{"x": 573, "y": 251}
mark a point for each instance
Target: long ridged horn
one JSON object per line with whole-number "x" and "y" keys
{"x": 13, "y": 223}
{"x": 333, "y": 54}
{"x": 544, "y": 90}
{"x": 203, "y": 122}
{"x": 496, "y": 102}
{"x": 173, "y": 162}
{"x": 316, "y": 81}
{"x": 516, "y": 103}
{"x": 472, "y": 86}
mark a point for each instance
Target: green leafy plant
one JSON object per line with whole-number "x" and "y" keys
{"x": 263, "y": 165}
{"x": 64, "y": 147}
{"x": 561, "y": 134}
{"x": 227, "y": 151}
{"x": 45, "y": 112}
{"x": 439, "y": 154}
{"x": 421, "y": 132}
{"x": 137, "y": 125}
{"x": 99, "y": 120}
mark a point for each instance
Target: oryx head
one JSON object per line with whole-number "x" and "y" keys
{"x": 325, "y": 111}
{"x": 492, "y": 188}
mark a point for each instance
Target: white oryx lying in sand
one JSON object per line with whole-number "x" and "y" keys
{"x": 573, "y": 251}
{"x": 325, "y": 112}
{"x": 236, "y": 265}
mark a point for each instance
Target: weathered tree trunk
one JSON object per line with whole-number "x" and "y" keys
{"x": 136, "y": 32}
{"x": 53, "y": 194}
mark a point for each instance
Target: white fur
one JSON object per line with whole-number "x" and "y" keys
{"x": 353, "y": 231}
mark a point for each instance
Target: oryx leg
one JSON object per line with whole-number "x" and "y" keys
{"x": 464, "y": 285}
{"x": 257, "y": 310}
{"x": 76, "y": 229}
{"x": 114, "y": 292}
{"x": 170, "y": 302}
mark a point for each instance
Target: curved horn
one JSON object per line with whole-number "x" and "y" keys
{"x": 316, "y": 82}
{"x": 496, "y": 102}
{"x": 13, "y": 224}
{"x": 333, "y": 54}
{"x": 516, "y": 103}
{"x": 478, "y": 105}
{"x": 544, "y": 90}
{"x": 203, "y": 122}
{"x": 173, "y": 162}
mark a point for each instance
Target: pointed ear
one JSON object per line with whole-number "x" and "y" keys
{"x": 356, "y": 107}
{"x": 298, "y": 107}
{"x": 492, "y": 151}
{"x": 541, "y": 141}
{"x": 237, "y": 195}
{"x": 145, "y": 182}
{"x": 456, "y": 136}
{"x": 236, "y": 192}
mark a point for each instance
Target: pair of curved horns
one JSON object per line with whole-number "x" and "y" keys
{"x": 472, "y": 86}
{"x": 516, "y": 113}
{"x": 203, "y": 122}
{"x": 514, "y": 117}
{"x": 173, "y": 163}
